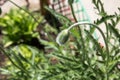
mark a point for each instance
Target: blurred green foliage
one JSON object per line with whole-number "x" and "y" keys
{"x": 18, "y": 27}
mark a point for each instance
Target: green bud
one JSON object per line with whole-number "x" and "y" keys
{"x": 63, "y": 37}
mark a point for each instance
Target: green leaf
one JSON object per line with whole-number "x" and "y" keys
{"x": 115, "y": 32}
{"x": 95, "y": 42}
{"x": 23, "y": 58}
{"x": 103, "y": 19}
{"x": 64, "y": 57}
{"x": 4, "y": 71}
{"x": 8, "y": 43}
{"x": 112, "y": 64}
{"x": 49, "y": 44}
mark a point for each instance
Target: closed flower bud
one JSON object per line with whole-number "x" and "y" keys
{"x": 63, "y": 37}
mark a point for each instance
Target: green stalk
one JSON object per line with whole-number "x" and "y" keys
{"x": 71, "y": 6}
{"x": 80, "y": 32}
{"x": 107, "y": 36}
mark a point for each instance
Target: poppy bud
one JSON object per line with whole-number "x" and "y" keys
{"x": 63, "y": 37}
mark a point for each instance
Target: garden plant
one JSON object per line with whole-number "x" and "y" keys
{"x": 75, "y": 54}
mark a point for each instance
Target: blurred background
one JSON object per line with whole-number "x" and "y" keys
{"x": 110, "y": 6}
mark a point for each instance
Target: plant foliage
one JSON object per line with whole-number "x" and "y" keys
{"x": 18, "y": 27}
{"x": 81, "y": 58}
